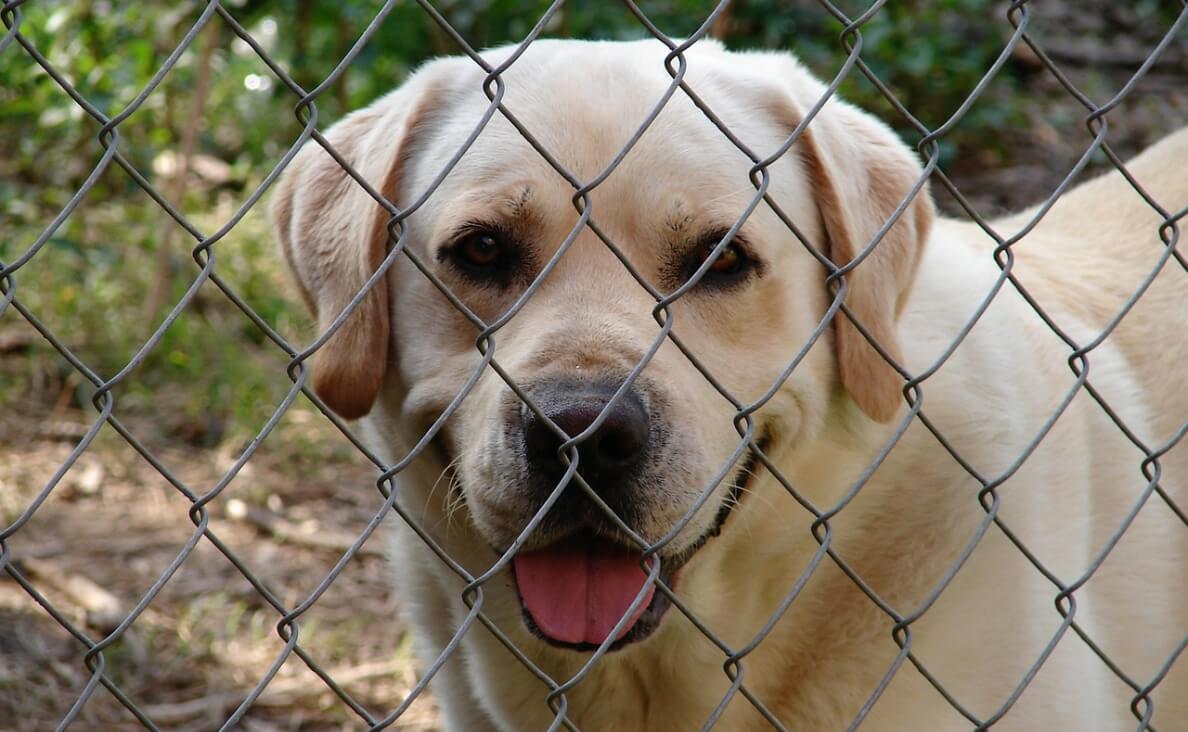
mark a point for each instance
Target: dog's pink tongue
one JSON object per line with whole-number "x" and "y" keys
{"x": 576, "y": 593}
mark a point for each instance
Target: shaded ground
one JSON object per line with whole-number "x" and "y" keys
{"x": 1029, "y": 161}
{"x": 114, "y": 524}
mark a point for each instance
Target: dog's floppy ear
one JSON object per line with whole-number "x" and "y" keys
{"x": 859, "y": 172}
{"x": 334, "y": 235}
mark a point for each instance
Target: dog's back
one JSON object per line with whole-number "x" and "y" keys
{"x": 1070, "y": 502}
{"x": 1086, "y": 263}
{"x": 1095, "y": 248}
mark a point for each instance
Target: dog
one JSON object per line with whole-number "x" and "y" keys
{"x": 794, "y": 453}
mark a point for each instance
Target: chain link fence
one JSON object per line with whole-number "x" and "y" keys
{"x": 94, "y": 652}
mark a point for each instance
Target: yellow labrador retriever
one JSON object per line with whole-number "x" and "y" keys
{"x": 742, "y": 553}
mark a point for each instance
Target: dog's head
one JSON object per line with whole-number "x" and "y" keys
{"x": 659, "y": 445}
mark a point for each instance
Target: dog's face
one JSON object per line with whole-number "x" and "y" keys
{"x": 578, "y": 333}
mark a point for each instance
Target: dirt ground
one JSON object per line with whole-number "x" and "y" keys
{"x": 113, "y": 525}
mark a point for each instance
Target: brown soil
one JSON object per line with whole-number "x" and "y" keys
{"x": 112, "y": 526}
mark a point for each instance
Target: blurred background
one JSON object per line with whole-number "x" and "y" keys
{"x": 205, "y": 139}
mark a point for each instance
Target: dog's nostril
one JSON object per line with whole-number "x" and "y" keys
{"x": 617, "y": 446}
{"x": 617, "y": 443}
{"x": 611, "y": 451}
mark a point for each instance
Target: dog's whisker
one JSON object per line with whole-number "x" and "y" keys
{"x": 433, "y": 489}
{"x": 455, "y": 501}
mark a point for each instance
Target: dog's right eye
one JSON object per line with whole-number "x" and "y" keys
{"x": 484, "y": 255}
{"x": 480, "y": 250}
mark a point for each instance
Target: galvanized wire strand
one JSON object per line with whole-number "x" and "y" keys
{"x": 747, "y": 421}
{"x": 11, "y": 17}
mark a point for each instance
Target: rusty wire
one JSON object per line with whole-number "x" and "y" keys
{"x": 288, "y": 618}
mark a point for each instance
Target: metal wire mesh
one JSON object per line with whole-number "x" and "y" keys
{"x": 289, "y": 615}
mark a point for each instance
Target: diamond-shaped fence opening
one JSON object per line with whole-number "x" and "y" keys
{"x": 187, "y": 535}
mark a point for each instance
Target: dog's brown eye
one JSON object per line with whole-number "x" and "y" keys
{"x": 480, "y": 249}
{"x": 485, "y": 255}
{"x": 730, "y": 261}
{"x": 733, "y": 266}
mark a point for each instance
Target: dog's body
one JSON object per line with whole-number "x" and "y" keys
{"x": 406, "y": 352}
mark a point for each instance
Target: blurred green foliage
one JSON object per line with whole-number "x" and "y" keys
{"x": 107, "y": 277}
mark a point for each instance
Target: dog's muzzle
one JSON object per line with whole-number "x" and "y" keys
{"x": 581, "y": 582}
{"x": 577, "y": 589}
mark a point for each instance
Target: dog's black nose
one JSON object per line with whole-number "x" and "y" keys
{"x": 609, "y": 454}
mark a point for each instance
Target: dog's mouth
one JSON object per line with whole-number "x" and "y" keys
{"x": 574, "y": 592}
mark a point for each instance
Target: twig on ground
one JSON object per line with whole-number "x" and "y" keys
{"x": 316, "y": 537}
{"x": 104, "y": 611}
{"x": 282, "y": 692}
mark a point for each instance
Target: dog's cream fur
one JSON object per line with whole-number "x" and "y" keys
{"x": 405, "y": 353}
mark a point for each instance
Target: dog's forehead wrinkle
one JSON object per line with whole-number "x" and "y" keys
{"x": 679, "y": 219}
{"x": 519, "y": 201}
{"x": 585, "y": 131}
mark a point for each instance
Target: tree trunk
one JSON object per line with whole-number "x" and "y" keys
{"x": 175, "y": 191}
